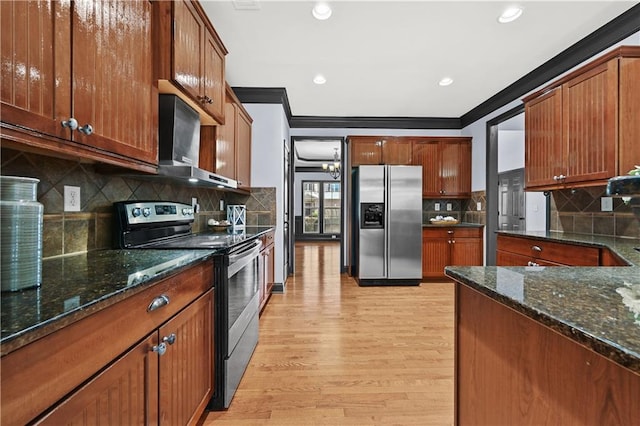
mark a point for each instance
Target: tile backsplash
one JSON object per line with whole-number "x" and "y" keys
{"x": 92, "y": 228}
{"x": 579, "y": 211}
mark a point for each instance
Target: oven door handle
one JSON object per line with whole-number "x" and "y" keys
{"x": 239, "y": 261}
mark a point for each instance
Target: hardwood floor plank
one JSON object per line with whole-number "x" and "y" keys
{"x": 334, "y": 353}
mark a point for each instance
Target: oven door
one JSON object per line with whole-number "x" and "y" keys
{"x": 243, "y": 306}
{"x": 243, "y": 301}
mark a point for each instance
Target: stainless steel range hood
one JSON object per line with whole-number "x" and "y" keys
{"x": 195, "y": 175}
{"x": 179, "y": 145}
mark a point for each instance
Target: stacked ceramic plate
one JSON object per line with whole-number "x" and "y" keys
{"x": 20, "y": 233}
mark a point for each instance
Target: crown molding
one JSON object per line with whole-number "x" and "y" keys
{"x": 614, "y": 31}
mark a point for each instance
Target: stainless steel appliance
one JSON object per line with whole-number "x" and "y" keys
{"x": 388, "y": 225}
{"x": 179, "y": 144}
{"x": 168, "y": 225}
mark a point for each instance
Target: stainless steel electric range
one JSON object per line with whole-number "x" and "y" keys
{"x": 168, "y": 225}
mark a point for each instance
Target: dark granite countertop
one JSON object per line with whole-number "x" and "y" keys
{"x": 78, "y": 285}
{"x": 598, "y": 307}
{"x": 457, "y": 225}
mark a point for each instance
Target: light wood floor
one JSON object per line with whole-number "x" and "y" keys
{"x": 333, "y": 353}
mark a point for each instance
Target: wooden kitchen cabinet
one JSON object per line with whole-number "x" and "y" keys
{"x": 71, "y": 371}
{"x": 230, "y": 142}
{"x": 450, "y": 246}
{"x": 267, "y": 268}
{"x": 190, "y": 58}
{"x": 73, "y": 49}
{"x": 578, "y": 131}
{"x": 446, "y": 166}
{"x": 521, "y": 251}
{"x": 375, "y": 150}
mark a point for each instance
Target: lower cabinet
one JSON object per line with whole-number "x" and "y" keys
{"x": 125, "y": 364}
{"x": 267, "y": 269}
{"x": 449, "y": 246}
{"x": 165, "y": 379}
{"x": 521, "y": 251}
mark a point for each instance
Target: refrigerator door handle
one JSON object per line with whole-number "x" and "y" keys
{"x": 385, "y": 269}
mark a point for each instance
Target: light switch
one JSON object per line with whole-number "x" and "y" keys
{"x": 478, "y": 206}
{"x": 436, "y": 207}
{"x": 449, "y": 207}
{"x": 606, "y": 204}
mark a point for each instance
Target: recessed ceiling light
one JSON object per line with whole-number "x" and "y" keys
{"x": 510, "y": 14}
{"x": 446, "y": 81}
{"x": 319, "y": 79}
{"x": 321, "y": 11}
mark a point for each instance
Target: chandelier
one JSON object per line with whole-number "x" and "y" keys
{"x": 333, "y": 169}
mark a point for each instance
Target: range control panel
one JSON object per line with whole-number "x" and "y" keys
{"x": 155, "y": 212}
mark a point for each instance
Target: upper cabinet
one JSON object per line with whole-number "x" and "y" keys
{"x": 583, "y": 129}
{"x": 60, "y": 90}
{"x": 446, "y": 166}
{"x": 376, "y": 150}
{"x": 190, "y": 58}
{"x": 226, "y": 149}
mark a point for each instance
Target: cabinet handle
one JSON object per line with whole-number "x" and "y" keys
{"x": 159, "y": 349}
{"x": 170, "y": 339}
{"x": 86, "y": 129}
{"x": 530, "y": 263}
{"x": 450, "y": 232}
{"x": 208, "y": 100}
{"x": 562, "y": 177}
{"x": 71, "y": 123}
{"x": 158, "y": 302}
{"x": 536, "y": 248}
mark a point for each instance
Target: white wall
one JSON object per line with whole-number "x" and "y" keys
{"x": 510, "y": 150}
{"x": 269, "y": 134}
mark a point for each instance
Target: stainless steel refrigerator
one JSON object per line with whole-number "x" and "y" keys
{"x": 388, "y": 225}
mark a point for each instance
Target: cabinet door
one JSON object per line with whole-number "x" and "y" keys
{"x": 629, "y": 148}
{"x": 36, "y": 66}
{"x": 188, "y": 31}
{"x": 396, "y": 151}
{"x": 112, "y": 67}
{"x": 124, "y": 393}
{"x": 466, "y": 252}
{"x": 243, "y": 149}
{"x": 590, "y": 104}
{"x": 366, "y": 151}
{"x": 270, "y": 268}
{"x": 213, "y": 78}
{"x": 186, "y": 368}
{"x": 427, "y": 155}
{"x": 435, "y": 256}
{"x": 455, "y": 168}
{"x": 543, "y": 140}
{"x": 506, "y": 258}
{"x": 225, "y": 142}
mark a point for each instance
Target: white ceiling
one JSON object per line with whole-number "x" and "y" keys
{"x": 385, "y": 58}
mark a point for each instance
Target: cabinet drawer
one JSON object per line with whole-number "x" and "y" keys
{"x": 39, "y": 374}
{"x": 561, "y": 253}
{"x": 267, "y": 239}
{"x": 446, "y": 232}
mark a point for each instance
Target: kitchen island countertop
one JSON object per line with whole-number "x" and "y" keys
{"x": 598, "y": 307}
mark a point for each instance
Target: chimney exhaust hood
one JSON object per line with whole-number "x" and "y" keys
{"x": 179, "y": 145}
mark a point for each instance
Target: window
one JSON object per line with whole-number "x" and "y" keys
{"x": 321, "y": 208}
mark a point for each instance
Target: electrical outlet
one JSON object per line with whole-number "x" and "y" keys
{"x": 478, "y": 206}
{"x": 606, "y": 204}
{"x": 221, "y": 205}
{"x": 436, "y": 207}
{"x": 71, "y": 198}
{"x": 449, "y": 207}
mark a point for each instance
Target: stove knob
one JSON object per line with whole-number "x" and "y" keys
{"x": 146, "y": 212}
{"x": 136, "y": 211}
{"x": 190, "y": 212}
{"x": 185, "y": 212}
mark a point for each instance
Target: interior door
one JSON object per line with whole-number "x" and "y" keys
{"x": 511, "y": 209}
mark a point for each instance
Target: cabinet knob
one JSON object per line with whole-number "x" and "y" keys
{"x": 159, "y": 349}
{"x": 86, "y": 129}
{"x": 170, "y": 339}
{"x": 449, "y": 232}
{"x": 71, "y": 123}
{"x": 536, "y": 248}
{"x": 158, "y": 302}
{"x": 208, "y": 100}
